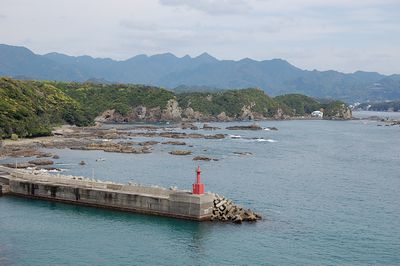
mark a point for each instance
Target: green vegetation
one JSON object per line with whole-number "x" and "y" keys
{"x": 299, "y": 104}
{"x": 231, "y": 102}
{"x": 30, "y": 108}
{"x": 96, "y": 98}
{"x": 331, "y": 108}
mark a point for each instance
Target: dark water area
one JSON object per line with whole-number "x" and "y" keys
{"x": 329, "y": 192}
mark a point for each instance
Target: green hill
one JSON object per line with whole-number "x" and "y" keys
{"x": 299, "y": 104}
{"x": 30, "y": 108}
{"x": 96, "y": 98}
{"x": 231, "y": 102}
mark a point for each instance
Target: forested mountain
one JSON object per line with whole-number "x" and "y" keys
{"x": 275, "y": 76}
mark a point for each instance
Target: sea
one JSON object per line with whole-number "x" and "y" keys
{"x": 328, "y": 191}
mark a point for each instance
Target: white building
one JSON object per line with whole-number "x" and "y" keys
{"x": 318, "y": 114}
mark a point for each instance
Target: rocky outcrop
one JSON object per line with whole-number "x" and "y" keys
{"x": 246, "y": 112}
{"x": 190, "y": 115}
{"x": 186, "y": 125}
{"x": 208, "y": 127}
{"x": 115, "y": 147}
{"x": 174, "y": 143}
{"x": 251, "y": 127}
{"x": 172, "y": 111}
{"x": 180, "y": 152}
{"x": 338, "y": 112}
{"x": 19, "y": 165}
{"x": 41, "y": 162}
{"x": 223, "y": 117}
{"x": 204, "y": 158}
{"x": 225, "y": 210}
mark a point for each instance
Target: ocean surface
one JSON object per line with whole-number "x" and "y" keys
{"x": 329, "y": 192}
{"x": 382, "y": 115}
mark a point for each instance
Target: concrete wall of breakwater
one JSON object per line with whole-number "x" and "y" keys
{"x": 134, "y": 198}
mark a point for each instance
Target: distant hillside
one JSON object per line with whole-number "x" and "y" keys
{"x": 275, "y": 76}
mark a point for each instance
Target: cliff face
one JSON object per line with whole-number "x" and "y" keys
{"x": 175, "y": 113}
{"x": 337, "y": 111}
{"x": 231, "y": 105}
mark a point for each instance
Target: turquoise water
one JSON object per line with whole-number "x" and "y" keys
{"x": 329, "y": 192}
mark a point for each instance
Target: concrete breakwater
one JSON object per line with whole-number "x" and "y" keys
{"x": 125, "y": 197}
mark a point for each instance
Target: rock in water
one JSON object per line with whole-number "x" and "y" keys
{"x": 41, "y": 162}
{"x": 251, "y": 127}
{"x": 180, "y": 152}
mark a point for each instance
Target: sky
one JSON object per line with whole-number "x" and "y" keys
{"x": 344, "y": 35}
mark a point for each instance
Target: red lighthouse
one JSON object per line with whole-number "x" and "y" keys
{"x": 198, "y": 187}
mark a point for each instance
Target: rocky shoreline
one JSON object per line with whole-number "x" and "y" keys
{"x": 117, "y": 140}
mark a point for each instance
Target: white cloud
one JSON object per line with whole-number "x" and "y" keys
{"x": 212, "y": 7}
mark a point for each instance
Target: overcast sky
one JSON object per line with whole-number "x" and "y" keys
{"x": 345, "y": 35}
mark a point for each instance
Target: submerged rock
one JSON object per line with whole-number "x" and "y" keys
{"x": 201, "y": 158}
{"x": 41, "y": 162}
{"x": 19, "y": 165}
{"x": 242, "y": 153}
{"x": 208, "y": 127}
{"x": 251, "y": 127}
{"x": 174, "y": 143}
{"x": 180, "y": 152}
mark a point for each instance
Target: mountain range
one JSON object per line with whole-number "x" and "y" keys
{"x": 275, "y": 77}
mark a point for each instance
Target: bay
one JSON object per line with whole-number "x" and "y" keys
{"x": 328, "y": 192}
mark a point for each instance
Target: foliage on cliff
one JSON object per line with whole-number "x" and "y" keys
{"x": 231, "y": 102}
{"x": 299, "y": 104}
{"x": 96, "y": 98}
{"x": 30, "y": 108}
{"x": 303, "y": 105}
{"x": 336, "y": 110}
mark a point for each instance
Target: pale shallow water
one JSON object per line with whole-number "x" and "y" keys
{"x": 382, "y": 115}
{"x": 329, "y": 192}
